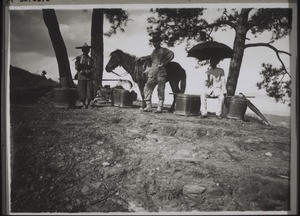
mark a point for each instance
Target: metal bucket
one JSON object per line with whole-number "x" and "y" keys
{"x": 236, "y": 107}
{"x": 65, "y": 97}
{"x": 187, "y": 105}
{"x": 122, "y": 98}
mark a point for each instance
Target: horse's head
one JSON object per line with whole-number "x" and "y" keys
{"x": 114, "y": 61}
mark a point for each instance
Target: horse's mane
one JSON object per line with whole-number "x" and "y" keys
{"x": 118, "y": 52}
{"x": 140, "y": 63}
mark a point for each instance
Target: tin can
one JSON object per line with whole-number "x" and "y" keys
{"x": 122, "y": 98}
{"x": 187, "y": 105}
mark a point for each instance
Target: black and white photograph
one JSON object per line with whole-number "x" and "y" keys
{"x": 154, "y": 108}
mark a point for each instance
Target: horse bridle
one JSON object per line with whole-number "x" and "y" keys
{"x": 119, "y": 61}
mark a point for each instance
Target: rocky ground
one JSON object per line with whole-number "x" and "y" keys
{"x": 110, "y": 159}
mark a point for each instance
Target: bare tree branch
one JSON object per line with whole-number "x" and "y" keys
{"x": 225, "y": 13}
{"x": 223, "y": 22}
{"x": 267, "y": 45}
{"x": 218, "y": 23}
{"x": 275, "y": 50}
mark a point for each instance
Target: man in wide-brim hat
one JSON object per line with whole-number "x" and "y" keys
{"x": 157, "y": 74}
{"x": 84, "y": 46}
{"x": 83, "y": 65}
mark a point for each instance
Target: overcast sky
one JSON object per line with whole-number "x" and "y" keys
{"x": 31, "y": 49}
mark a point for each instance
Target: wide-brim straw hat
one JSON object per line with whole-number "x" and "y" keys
{"x": 156, "y": 38}
{"x": 84, "y": 46}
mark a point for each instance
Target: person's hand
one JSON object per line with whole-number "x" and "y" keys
{"x": 225, "y": 95}
{"x": 208, "y": 83}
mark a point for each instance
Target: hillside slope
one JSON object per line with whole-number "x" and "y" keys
{"x": 109, "y": 159}
{"x": 26, "y": 87}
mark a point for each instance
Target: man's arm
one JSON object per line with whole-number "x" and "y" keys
{"x": 208, "y": 81}
{"x": 77, "y": 63}
{"x": 146, "y": 61}
{"x": 89, "y": 70}
{"x": 168, "y": 56}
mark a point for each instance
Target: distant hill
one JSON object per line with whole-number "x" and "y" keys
{"x": 20, "y": 78}
{"x": 282, "y": 121}
{"x": 26, "y": 87}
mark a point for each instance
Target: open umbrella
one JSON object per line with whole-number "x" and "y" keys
{"x": 209, "y": 49}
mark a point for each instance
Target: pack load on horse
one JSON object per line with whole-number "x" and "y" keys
{"x": 136, "y": 66}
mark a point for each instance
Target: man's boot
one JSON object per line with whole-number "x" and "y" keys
{"x": 159, "y": 106}
{"x": 148, "y": 107}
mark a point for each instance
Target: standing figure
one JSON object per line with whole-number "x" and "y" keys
{"x": 157, "y": 74}
{"x": 83, "y": 65}
{"x": 215, "y": 87}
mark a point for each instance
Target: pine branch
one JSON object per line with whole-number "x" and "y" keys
{"x": 274, "y": 49}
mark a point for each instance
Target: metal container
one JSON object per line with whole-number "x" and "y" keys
{"x": 187, "y": 105}
{"x": 65, "y": 97}
{"x": 236, "y": 107}
{"x": 122, "y": 98}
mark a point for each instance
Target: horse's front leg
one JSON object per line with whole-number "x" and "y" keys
{"x": 141, "y": 87}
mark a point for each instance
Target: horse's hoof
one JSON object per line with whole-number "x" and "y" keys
{"x": 171, "y": 110}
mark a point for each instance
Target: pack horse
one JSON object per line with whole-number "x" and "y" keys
{"x": 136, "y": 66}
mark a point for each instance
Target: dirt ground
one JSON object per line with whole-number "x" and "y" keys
{"x": 110, "y": 159}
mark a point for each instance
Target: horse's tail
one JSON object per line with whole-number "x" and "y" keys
{"x": 176, "y": 74}
{"x": 182, "y": 80}
{"x": 183, "y": 85}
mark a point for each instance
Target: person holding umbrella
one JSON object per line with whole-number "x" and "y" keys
{"x": 83, "y": 65}
{"x": 215, "y": 83}
{"x": 157, "y": 74}
{"x": 215, "y": 87}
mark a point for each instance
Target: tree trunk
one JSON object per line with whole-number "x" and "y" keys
{"x": 97, "y": 46}
{"x": 238, "y": 48}
{"x": 59, "y": 46}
